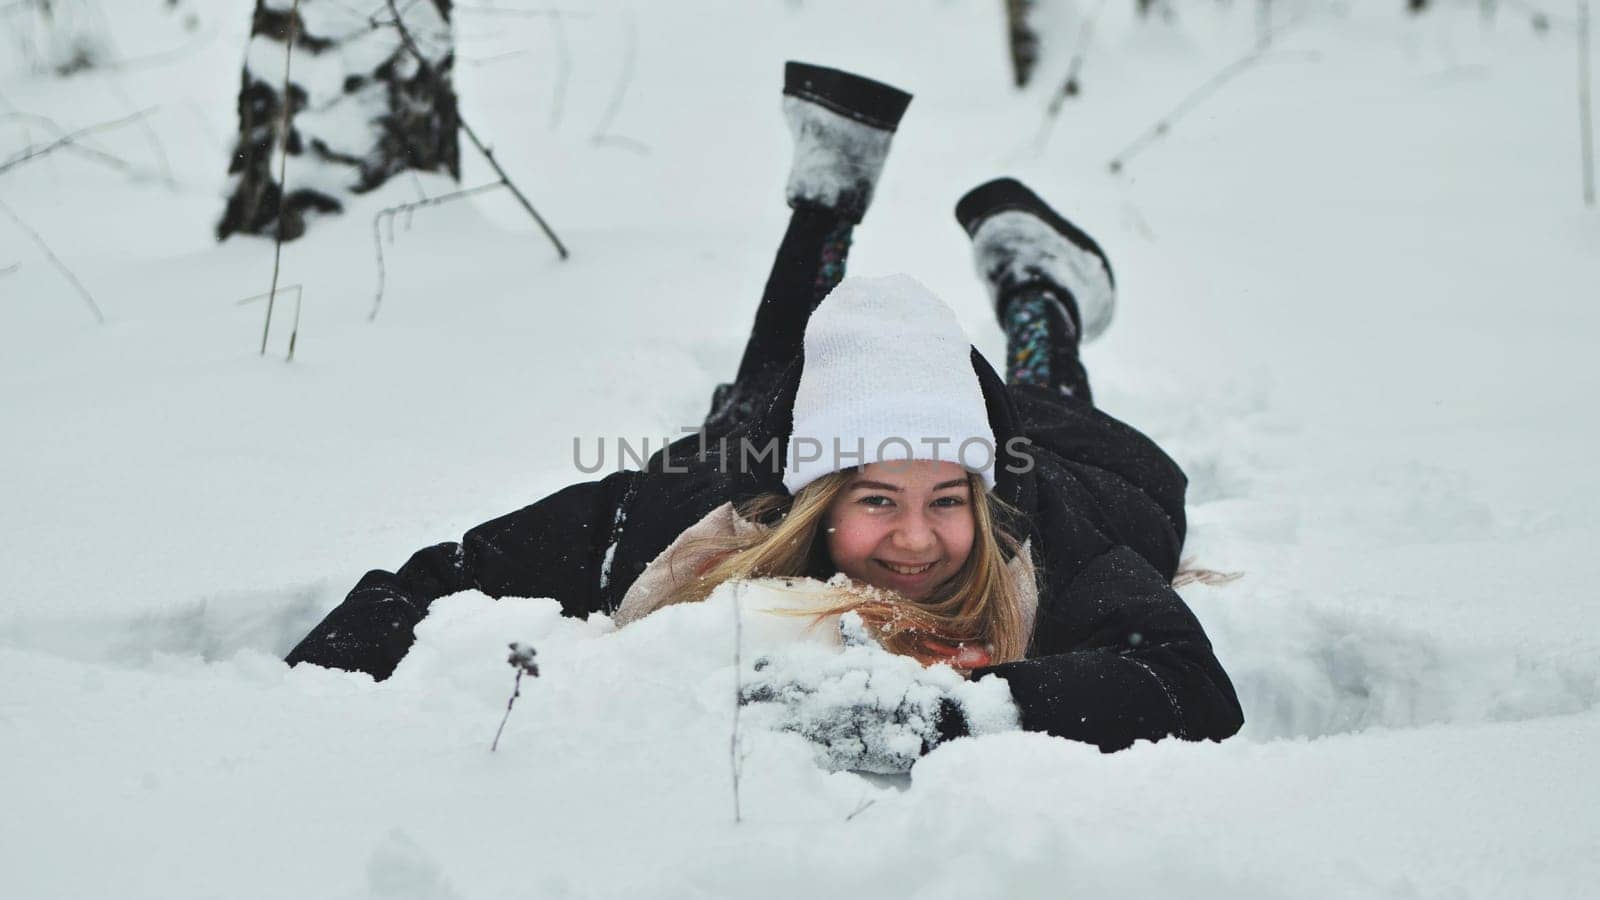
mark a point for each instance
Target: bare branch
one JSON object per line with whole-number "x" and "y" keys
{"x": 92, "y": 153}
{"x": 263, "y": 295}
{"x": 491, "y": 59}
{"x": 294, "y": 331}
{"x": 55, "y": 261}
{"x": 283, "y": 168}
{"x": 71, "y": 140}
{"x": 427, "y": 68}
{"x": 1210, "y": 86}
{"x": 388, "y": 215}
{"x": 1070, "y": 86}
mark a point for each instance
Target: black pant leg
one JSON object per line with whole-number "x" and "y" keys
{"x": 810, "y": 262}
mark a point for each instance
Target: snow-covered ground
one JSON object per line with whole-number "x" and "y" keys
{"x": 1358, "y": 296}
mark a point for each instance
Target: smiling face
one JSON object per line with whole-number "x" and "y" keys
{"x": 904, "y": 526}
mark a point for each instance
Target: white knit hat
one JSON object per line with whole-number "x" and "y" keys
{"x": 887, "y": 375}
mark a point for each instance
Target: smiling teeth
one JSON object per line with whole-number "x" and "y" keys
{"x": 909, "y": 570}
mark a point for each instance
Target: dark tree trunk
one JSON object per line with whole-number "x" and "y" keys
{"x": 350, "y": 131}
{"x": 1023, "y": 40}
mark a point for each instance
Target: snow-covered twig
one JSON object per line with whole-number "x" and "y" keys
{"x": 55, "y": 261}
{"x": 7, "y": 270}
{"x": 283, "y": 167}
{"x": 488, "y": 154}
{"x": 521, "y": 659}
{"x": 1197, "y": 96}
{"x": 408, "y": 208}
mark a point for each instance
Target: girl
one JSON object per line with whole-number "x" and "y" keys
{"x": 1005, "y": 527}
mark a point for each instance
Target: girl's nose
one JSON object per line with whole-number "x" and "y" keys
{"x": 913, "y": 534}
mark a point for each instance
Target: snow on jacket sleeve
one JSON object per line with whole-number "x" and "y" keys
{"x": 554, "y": 548}
{"x": 1120, "y": 658}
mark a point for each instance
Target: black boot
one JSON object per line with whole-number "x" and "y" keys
{"x": 842, "y": 124}
{"x": 1020, "y": 244}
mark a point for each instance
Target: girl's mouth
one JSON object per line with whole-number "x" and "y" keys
{"x": 904, "y": 570}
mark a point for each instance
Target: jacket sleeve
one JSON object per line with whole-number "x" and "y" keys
{"x": 556, "y": 547}
{"x": 1122, "y": 658}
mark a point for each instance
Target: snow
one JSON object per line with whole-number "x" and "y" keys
{"x": 862, "y": 708}
{"x": 1356, "y": 302}
{"x": 61, "y": 35}
{"x": 837, "y": 159}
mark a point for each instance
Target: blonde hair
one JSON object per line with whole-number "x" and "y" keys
{"x": 978, "y": 604}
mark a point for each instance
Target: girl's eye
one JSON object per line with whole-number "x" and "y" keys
{"x": 875, "y": 500}
{"x": 950, "y": 501}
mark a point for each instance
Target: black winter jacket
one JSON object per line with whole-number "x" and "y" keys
{"x": 1116, "y": 655}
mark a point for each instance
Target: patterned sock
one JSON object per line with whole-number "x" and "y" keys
{"x": 1042, "y": 343}
{"x": 830, "y": 267}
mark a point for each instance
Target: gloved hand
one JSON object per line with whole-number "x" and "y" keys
{"x": 866, "y": 709}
